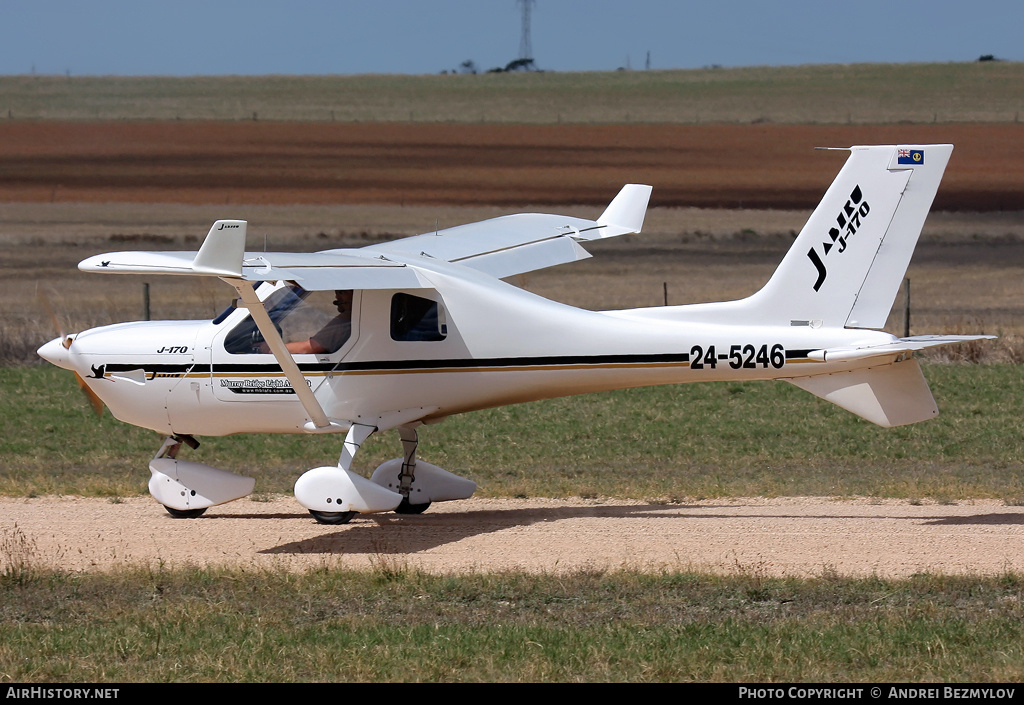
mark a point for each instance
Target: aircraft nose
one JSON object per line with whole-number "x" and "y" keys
{"x": 55, "y": 353}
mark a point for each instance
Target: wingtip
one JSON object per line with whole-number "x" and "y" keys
{"x": 223, "y": 249}
{"x": 628, "y": 209}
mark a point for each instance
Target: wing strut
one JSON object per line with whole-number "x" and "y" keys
{"x": 321, "y": 424}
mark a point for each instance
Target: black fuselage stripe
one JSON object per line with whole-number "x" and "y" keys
{"x": 395, "y": 365}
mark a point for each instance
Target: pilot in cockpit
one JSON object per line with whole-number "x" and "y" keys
{"x": 331, "y": 336}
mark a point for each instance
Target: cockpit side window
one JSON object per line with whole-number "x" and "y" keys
{"x": 309, "y": 322}
{"x": 415, "y": 318}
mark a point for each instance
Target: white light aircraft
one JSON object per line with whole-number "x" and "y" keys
{"x": 425, "y": 327}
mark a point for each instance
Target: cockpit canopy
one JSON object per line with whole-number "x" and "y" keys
{"x": 326, "y": 317}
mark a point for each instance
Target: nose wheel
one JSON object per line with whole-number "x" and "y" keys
{"x": 185, "y": 513}
{"x": 332, "y": 518}
{"x": 185, "y": 488}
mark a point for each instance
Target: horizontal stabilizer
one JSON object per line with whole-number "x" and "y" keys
{"x": 891, "y": 395}
{"x": 897, "y": 347}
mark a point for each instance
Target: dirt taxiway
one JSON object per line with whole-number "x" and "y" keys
{"x": 779, "y": 536}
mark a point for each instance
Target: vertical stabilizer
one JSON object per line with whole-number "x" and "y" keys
{"x": 926, "y": 163}
{"x": 846, "y": 266}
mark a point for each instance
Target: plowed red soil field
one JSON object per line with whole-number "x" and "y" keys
{"x": 720, "y": 166}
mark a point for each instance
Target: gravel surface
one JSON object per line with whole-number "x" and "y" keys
{"x": 782, "y": 536}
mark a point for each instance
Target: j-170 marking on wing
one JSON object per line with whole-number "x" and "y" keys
{"x": 425, "y": 327}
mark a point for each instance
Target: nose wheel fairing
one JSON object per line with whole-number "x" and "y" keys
{"x": 186, "y": 488}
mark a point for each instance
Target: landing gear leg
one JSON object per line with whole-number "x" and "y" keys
{"x": 410, "y": 441}
{"x": 418, "y": 483}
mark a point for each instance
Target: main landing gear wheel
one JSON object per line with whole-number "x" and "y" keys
{"x": 332, "y": 518}
{"x": 185, "y": 513}
{"x": 406, "y": 508}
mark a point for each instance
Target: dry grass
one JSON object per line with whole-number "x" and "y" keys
{"x": 843, "y": 94}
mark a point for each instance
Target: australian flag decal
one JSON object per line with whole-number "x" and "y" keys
{"x": 910, "y": 156}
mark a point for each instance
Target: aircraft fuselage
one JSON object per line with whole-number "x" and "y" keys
{"x": 501, "y": 345}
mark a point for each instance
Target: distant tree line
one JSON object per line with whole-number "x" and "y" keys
{"x": 469, "y": 67}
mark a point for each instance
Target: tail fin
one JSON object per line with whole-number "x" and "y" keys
{"x": 846, "y": 266}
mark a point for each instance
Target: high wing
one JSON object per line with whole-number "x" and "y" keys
{"x": 525, "y": 242}
{"x": 500, "y": 247}
{"x": 223, "y": 255}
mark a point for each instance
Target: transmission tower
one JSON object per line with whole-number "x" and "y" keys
{"x": 525, "y": 47}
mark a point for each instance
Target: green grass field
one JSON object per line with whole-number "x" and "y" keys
{"x": 857, "y": 93}
{"x": 663, "y": 444}
{"x": 393, "y": 624}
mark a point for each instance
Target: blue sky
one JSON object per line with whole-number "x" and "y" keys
{"x": 192, "y": 37}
